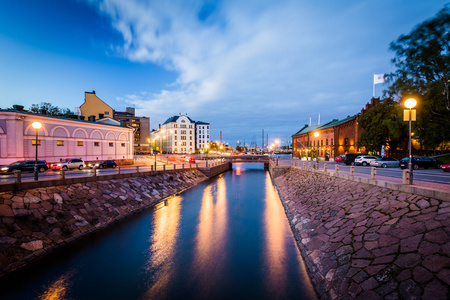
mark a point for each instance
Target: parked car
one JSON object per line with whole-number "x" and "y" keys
{"x": 385, "y": 162}
{"x": 364, "y": 160}
{"x": 338, "y": 159}
{"x": 445, "y": 167}
{"x": 349, "y": 158}
{"x": 420, "y": 162}
{"x": 107, "y": 164}
{"x": 25, "y": 166}
{"x": 72, "y": 163}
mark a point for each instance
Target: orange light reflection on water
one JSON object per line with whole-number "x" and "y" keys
{"x": 59, "y": 289}
{"x": 275, "y": 243}
{"x": 211, "y": 235}
{"x": 163, "y": 241}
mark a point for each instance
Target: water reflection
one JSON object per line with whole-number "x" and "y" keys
{"x": 59, "y": 289}
{"x": 163, "y": 245}
{"x": 211, "y": 238}
{"x": 275, "y": 243}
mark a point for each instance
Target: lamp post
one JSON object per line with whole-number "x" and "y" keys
{"x": 410, "y": 104}
{"x": 316, "y": 134}
{"x": 37, "y": 126}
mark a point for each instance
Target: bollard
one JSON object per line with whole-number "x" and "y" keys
{"x": 118, "y": 170}
{"x": 352, "y": 170}
{"x": 182, "y": 166}
{"x": 373, "y": 173}
{"x": 190, "y": 165}
{"x": 174, "y": 166}
{"x": 325, "y": 167}
{"x": 137, "y": 169}
{"x": 62, "y": 174}
{"x": 406, "y": 176}
{"x": 164, "y": 167}
{"x": 18, "y": 177}
{"x": 206, "y": 162}
{"x": 94, "y": 171}
{"x": 196, "y": 165}
{"x": 151, "y": 168}
{"x": 309, "y": 165}
{"x": 336, "y": 168}
{"x": 304, "y": 165}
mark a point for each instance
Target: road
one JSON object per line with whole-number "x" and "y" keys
{"x": 427, "y": 175}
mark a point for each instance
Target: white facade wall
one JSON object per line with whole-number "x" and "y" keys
{"x": 178, "y": 136}
{"x": 61, "y": 138}
{"x": 202, "y": 136}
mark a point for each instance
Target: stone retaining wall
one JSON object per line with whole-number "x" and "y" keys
{"x": 361, "y": 241}
{"x": 36, "y": 221}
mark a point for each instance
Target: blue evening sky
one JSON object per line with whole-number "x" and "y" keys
{"x": 243, "y": 66}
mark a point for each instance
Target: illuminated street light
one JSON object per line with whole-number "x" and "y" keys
{"x": 37, "y": 126}
{"x": 409, "y": 115}
{"x": 316, "y": 134}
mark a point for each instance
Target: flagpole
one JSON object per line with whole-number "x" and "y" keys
{"x": 373, "y": 85}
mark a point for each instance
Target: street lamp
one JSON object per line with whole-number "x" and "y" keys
{"x": 410, "y": 104}
{"x": 37, "y": 126}
{"x": 316, "y": 134}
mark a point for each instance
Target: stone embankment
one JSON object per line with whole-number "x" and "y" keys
{"x": 36, "y": 221}
{"x": 361, "y": 241}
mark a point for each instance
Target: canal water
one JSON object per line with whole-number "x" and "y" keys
{"x": 227, "y": 238}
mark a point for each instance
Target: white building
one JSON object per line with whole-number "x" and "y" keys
{"x": 202, "y": 139}
{"x": 61, "y": 138}
{"x": 177, "y": 135}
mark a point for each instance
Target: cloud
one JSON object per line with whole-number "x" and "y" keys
{"x": 252, "y": 63}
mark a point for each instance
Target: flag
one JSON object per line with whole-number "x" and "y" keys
{"x": 378, "y": 78}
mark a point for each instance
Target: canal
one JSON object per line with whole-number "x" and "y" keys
{"x": 227, "y": 238}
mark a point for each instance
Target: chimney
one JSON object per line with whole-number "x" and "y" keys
{"x": 91, "y": 118}
{"x": 81, "y": 117}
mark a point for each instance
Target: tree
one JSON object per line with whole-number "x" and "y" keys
{"x": 423, "y": 68}
{"x": 51, "y": 110}
{"x": 382, "y": 125}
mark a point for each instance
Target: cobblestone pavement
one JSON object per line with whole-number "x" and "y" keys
{"x": 366, "y": 242}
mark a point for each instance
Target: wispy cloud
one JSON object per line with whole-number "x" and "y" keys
{"x": 254, "y": 63}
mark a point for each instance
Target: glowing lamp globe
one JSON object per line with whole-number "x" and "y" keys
{"x": 410, "y": 103}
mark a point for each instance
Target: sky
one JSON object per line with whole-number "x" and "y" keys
{"x": 242, "y": 66}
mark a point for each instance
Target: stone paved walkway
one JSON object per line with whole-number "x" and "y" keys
{"x": 365, "y": 242}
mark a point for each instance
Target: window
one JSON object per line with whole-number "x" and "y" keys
{"x": 190, "y": 137}
{"x": 111, "y": 144}
{"x": 183, "y": 126}
{"x": 183, "y": 143}
{"x": 331, "y": 142}
{"x": 122, "y": 144}
{"x": 183, "y": 121}
{"x": 175, "y": 132}
{"x": 80, "y": 143}
{"x": 183, "y": 131}
{"x": 96, "y": 144}
{"x": 191, "y": 144}
{"x": 190, "y": 131}
{"x": 326, "y": 142}
{"x": 175, "y": 126}
{"x": 175, "y": 143}
{"x": 59, "y": 143}
{"x": 107, "y": 113}
{"x": 33, "y": 142}
{"x": 175, "y": 137}
{"x": 321, "y": 142}
{"x": 183, "y": 137}
{"x": 346, "y": 142}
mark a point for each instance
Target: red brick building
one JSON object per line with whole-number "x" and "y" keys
{"x": 335, "y": 137}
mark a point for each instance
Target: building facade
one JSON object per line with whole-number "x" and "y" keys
{"x": 335, "y": 138}
{"x": 61, "y": 138}
{"x": 94, "y": 106}
{"x": 141, "y": 126}
{"x": 202, "y": 139}
{"x": 177, "y": 135}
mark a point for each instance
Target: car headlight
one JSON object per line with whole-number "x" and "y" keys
{"x": 4, "y": 169}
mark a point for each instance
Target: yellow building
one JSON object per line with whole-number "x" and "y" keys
{"x": 94, "y": 106}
